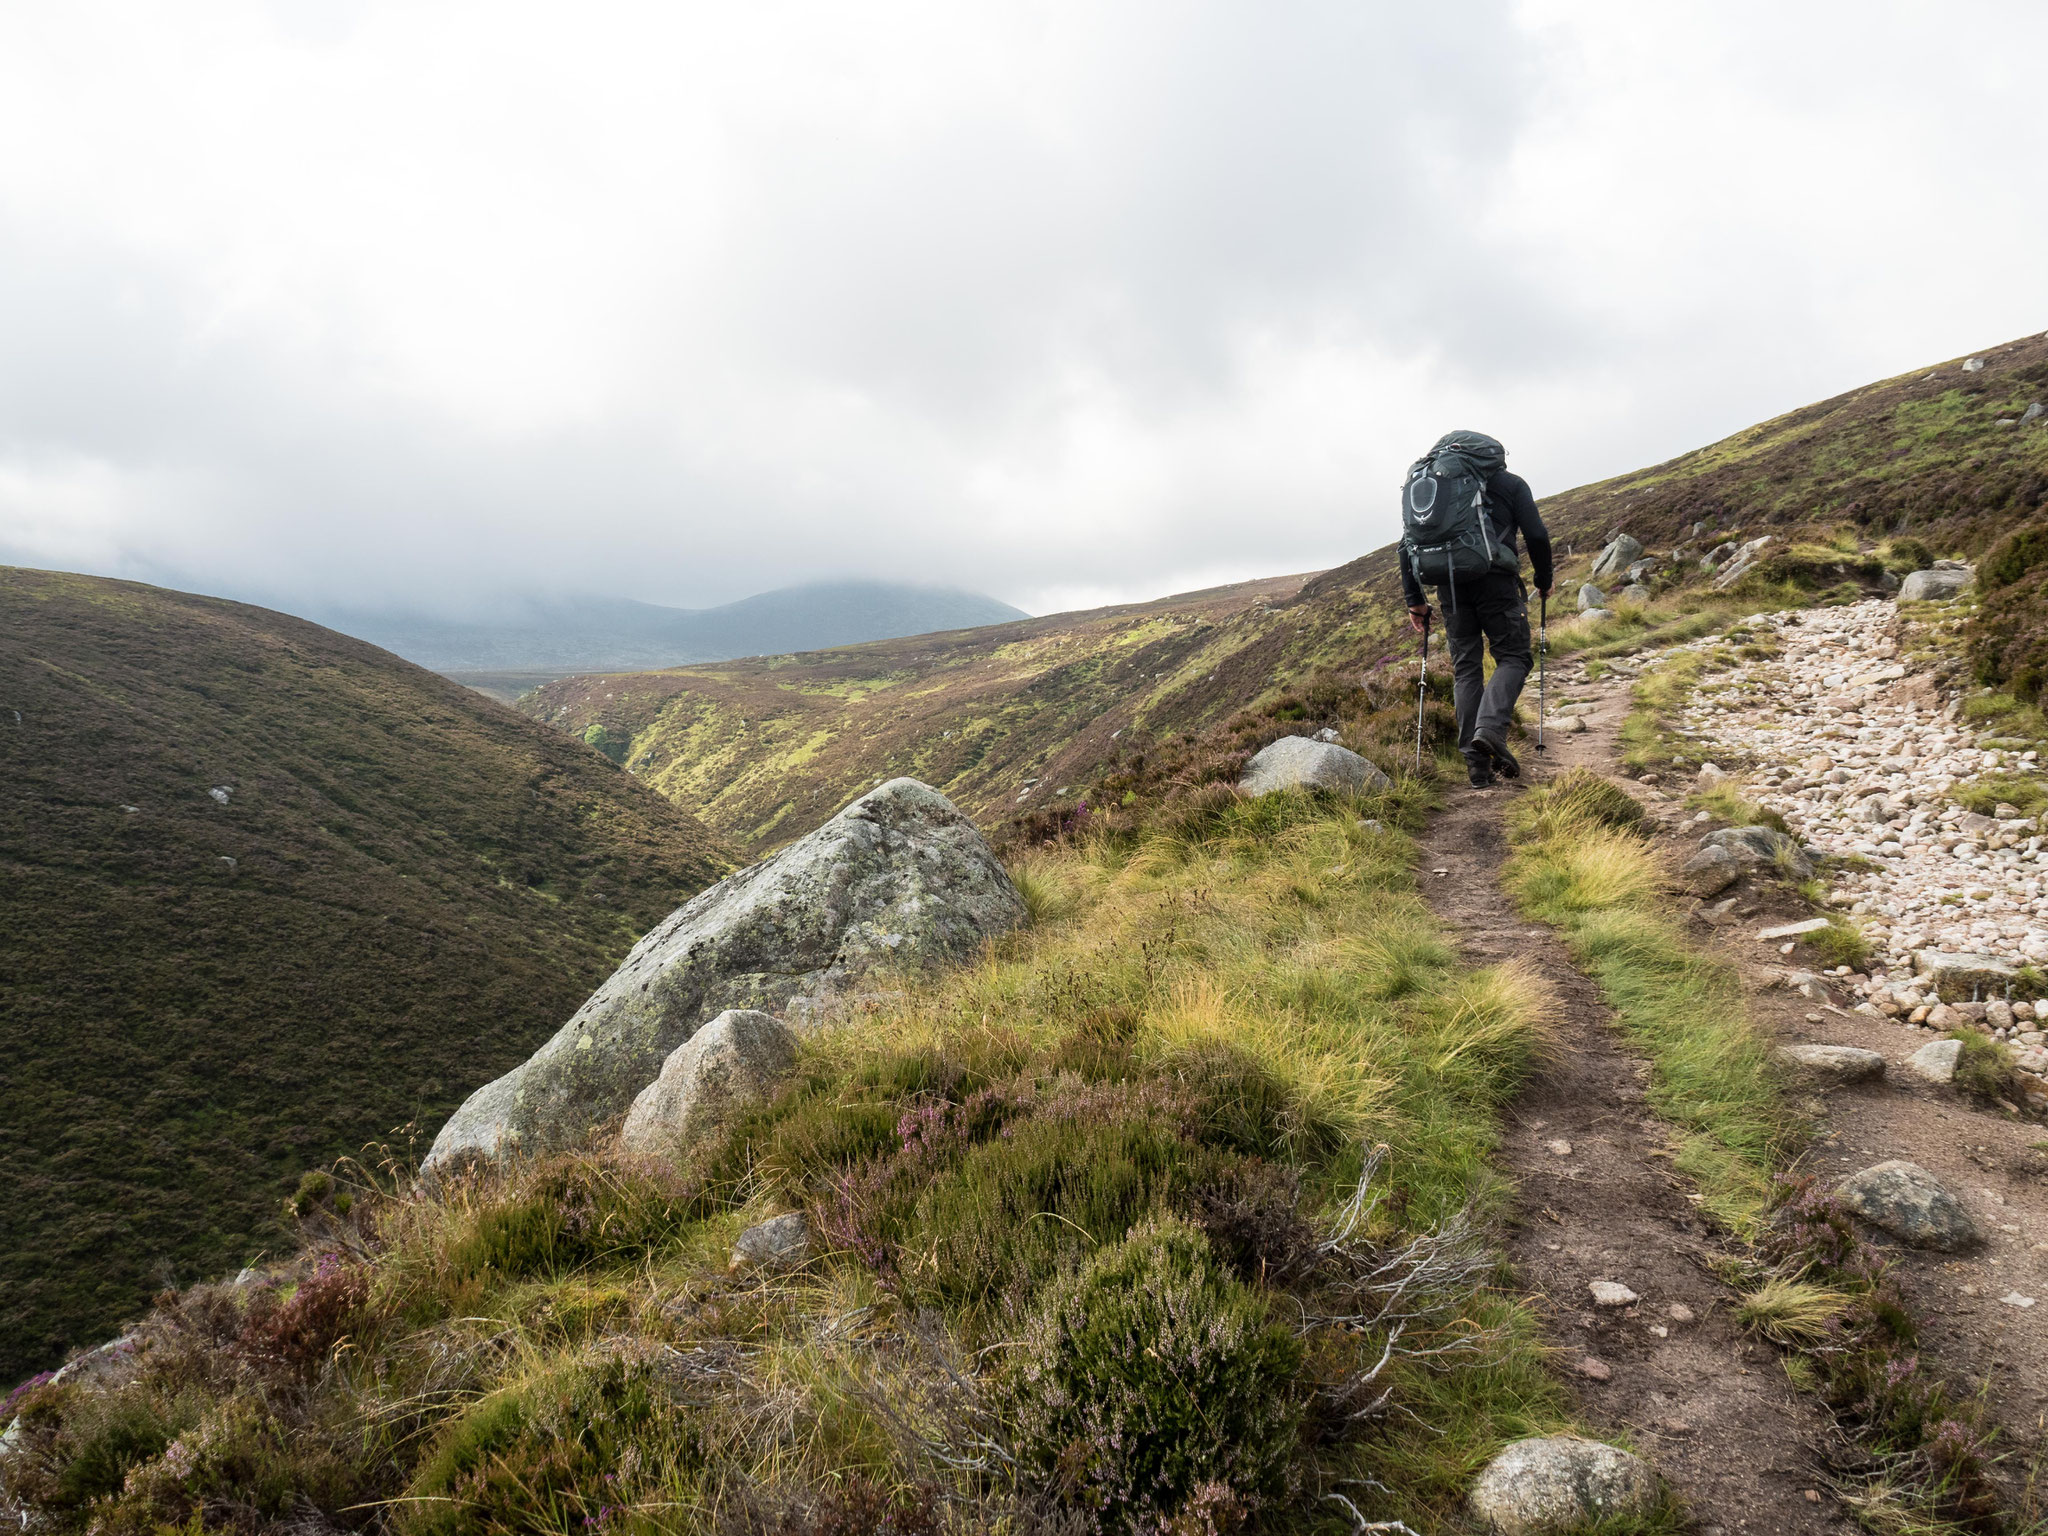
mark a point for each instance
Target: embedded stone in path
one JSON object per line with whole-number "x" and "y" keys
{"x": 1936, "y": 1061}
{"x": 736, "y": 1059}
{"x": 1712, "y": 870}
{"x": 1964, "y": 978}
{"x": 1907, "y": 1201}
{"x": 1758, "y": 846}
{"x": 1835, "y": 1063}
{"x": 1295, "y": 762}
{"x": 1611, "y": 1293}
{"x": 1794, "y": 930}
{"x": 1556, "y": 1483}
{"x": 900, "y": 878}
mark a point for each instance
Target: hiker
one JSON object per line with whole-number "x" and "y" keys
{"x": 1460, "y": 514}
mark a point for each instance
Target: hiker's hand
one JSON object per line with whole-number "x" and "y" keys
{"x": 1418, "y": 619}
{"x": 1544, "y": 593}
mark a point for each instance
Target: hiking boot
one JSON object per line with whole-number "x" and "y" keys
{"x": 1480, "y": 775}
{"x": 1498, "y": 756}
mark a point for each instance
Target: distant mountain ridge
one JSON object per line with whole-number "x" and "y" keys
{"x": 618, "y": 634}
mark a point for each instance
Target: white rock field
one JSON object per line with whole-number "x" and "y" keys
{"x": 1833, "y": 735}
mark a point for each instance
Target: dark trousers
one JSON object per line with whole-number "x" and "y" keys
{"x": 1492, "y": 610}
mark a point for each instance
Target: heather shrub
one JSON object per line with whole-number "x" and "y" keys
{"x": 570, "y": 1449}
{"x": 85, "y": 1442}
{"x": 300, "y": 1333}
{"x": 1148, "y": 1378}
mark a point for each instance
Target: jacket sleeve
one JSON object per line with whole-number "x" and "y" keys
{"x": 1411, "y": 589}
{"x": 1522, "y": 503}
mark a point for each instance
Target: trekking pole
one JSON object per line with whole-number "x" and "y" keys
{"x": 1421, "y": 692}
{"x": 1542, "y": 653}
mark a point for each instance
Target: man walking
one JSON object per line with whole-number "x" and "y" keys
{"x": 1461, "y": 513}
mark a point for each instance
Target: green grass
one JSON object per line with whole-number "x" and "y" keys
{"x": 1124, "y": 1149}
{"x": 1726, "y": 803}
{"x": 2025, "y": 792}
{"x": 1985, "y": 1070}
{"x": 1582, "y": 864}
{"x": 1840, "y": 943}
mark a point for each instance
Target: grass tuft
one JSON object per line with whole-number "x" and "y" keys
{"x": 1792, "y": 1311}
{"x": 1711, "y": 1073}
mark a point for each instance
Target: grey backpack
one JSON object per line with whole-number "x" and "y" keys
{"x": 1444, "y": 522}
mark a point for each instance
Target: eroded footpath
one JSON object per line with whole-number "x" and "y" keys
{"x": 1659, "y": 1363}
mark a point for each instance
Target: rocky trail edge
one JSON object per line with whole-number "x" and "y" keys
{"x": 1673, "y": 1372}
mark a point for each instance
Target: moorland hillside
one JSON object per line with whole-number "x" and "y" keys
{"x": 268, "y": 892}
{"x": 1004, "y": 718}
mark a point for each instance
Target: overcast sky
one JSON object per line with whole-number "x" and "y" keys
{"x": 336, "y": 302}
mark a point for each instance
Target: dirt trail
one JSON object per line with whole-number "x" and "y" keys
{"x": 1707, "y": 1404}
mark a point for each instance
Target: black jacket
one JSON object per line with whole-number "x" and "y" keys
{"x": 1512, "y": 506}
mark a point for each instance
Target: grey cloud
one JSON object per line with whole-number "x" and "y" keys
{"x": 1163, "y": 294}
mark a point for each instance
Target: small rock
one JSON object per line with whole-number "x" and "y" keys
{"x": 1794, "y": 930}
{"x": 1711, "y": 871}
{"x": 1955, "y": 978}
{"x": 1594, "y": 1370}
{"x": 1560, "y": 1148}
{"x": 1618, "y": 556}
{"x": 1836, "y": 1063}
{"x": 780, "y": 1242}
{"x": 1596, "y": 615}
{"x": 1934, "y": 586}
{"x": 1327, "y": 733}
{"x": 1556, "y": 1483}
{"x": 1611, "y": 1293}
{"x": 1679, "y": 1312}
{"x": 1591, "y": 597}
{"x": 1709, "y": 775}
{"x": 2015, "y": 1299}
{"x": 1973, "y": 365}
{"x": 1762, "y": 847}
{"x": 736, "y": 1059}
{"x": 1907, "y": 1201}
{"x": 1936, "y": 1061}
{"x": 1295, "y": 762}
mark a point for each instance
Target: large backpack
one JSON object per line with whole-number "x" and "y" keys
{"x": 1445, "y": 526}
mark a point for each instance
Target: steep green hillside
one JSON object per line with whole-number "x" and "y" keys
{"x": 1003, "y": 718}
{"x": 267, "y": 892}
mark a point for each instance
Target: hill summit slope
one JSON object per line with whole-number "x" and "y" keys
{"x": 267, "y": 893}
{"x": 1003, "y": 718}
